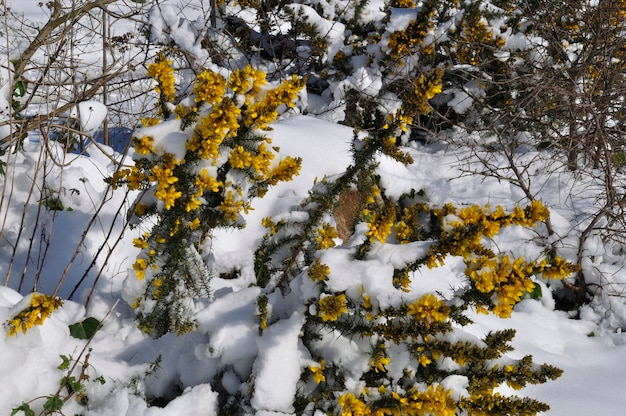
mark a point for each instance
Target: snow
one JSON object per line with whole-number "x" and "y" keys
{"x": 278, "y": 366}
{"x": 227, "y": 347}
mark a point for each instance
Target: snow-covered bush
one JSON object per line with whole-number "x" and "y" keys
{"x": 377, "y": 341}
{"x": 198, "y": 165}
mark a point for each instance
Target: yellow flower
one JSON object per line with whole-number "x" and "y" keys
{"x": 162, "y": 71}
{"x": 380, "y": 223}
{"x": 331, "y": 307}
{"x": 41, "y": 306}
{"x": 318, "y": 272}
{"x": 193, "y": 204}
{"x": 351, "y": 406}
{"x": 210, "y": 87}
{"x": 247, "y": 80}
{"x": 194, "y": 224}
{"x": 206, "y": 181}
{"x": 263, "y": 159}
{"x": 379, "y": 362}
{"x": 140, "y": 267}
{"x": 168, "y": 195}
{"x": 240, "y": 158}
{"x": 325, "y": 236}
{"x": 429, "y": 309}
{"x": 140, "y": 243}
{"x": 285, "y": 171}
{"x": 318, "y": 372}
{"x": 424, "y": 360}
{"x": 143, "y": 145}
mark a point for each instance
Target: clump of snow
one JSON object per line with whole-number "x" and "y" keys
{"x": 278, "y": 366}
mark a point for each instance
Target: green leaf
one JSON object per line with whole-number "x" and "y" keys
{"x": 20, "y": 89}
{"x": 65, "y": 364}
{"x": 535, "y": 294}
{"x": 72, "y": 384}
{"x": 85, "y": 329}
{"x": 53, "y": 403}
{"x": 23, "y": 408}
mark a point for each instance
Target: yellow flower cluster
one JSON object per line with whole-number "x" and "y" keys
{"x": 205, "y": 182}
{"x": 331, "y": 307}
{"x": 41, "y": 306}
{"x": 463, "y": 231}
{"x": 143, "y": 145}
{"x": 380, "y": 222}
{"x": 404, "y": 42}
{"x": 425, "y": 87}
{"x": 220, "y": 123}
{"x": 240, "y": 158}
{"x": 317, "y": 371}
{"x": 285, "y": 171}
{"x": 325, "y": 236}
{"x": 163, "y": 174}
{"x": 210, "y": 87}
{"x": 402, "y": 4}
{"x": 232, "y": 205}
{"x": 263, "y": 159}
{"x": 247, "y": 81}
{"x": 378, "y": 363}
{"x": 510, "y": 280}
{"x": 262, "y": 313}
{"x": 477, "y": 42}
{"x": 351, "y": 406}
{"x": 318, "y": 272}
{"x": 429, "y": 309}
{"x": 259, "y": 114}
{"x": 198, "y": 192}
{"x": 434, "y": 401}
{"x": 161, "y": 70}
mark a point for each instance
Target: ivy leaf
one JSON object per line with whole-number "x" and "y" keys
{"x": 53, "y": 403}
{"x": 20, "y": 89}
{"x": 84, "y": 329}
{"x": 72, "y": 384}
{"x": 23, "y": 408}
{"x": 65, "y": 364}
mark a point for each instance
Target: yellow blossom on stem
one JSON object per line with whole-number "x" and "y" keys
{"x": 208, "y": 182}
{"x": 262, "y": 160}
{"x": 150, "y": 121}
{"x": 140, "y": 267}
{"x": 318, "y": 372}
{"x": 428, "y": 309}
{"x": 143, "y": 145}
{"x": 240, "y": 158}
{"x": 285, "y": 171}
{"x": 193, "y": 204}
{"x": 247, "y": 81}
{"x": 162, "y": 71}
{"x": 325, "y": 236}
{"x": 194, "y": 224}
{"x": 351, "y": 406}
{"x": 318, "y": 271}
{"x": 380, "y": 223}
{"x": 40, "y": 308}
{"x": 379, "y": 362}
{"x": 168, "y": 196}
{"x": 210, "y": 87}
{"x": 331, "y": 307}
